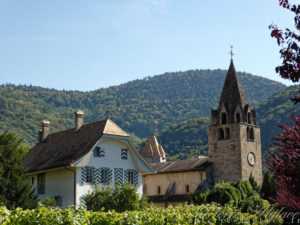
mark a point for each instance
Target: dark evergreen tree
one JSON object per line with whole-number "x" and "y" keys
{"x": 267, "y": 190}
{"x": 15, "y": 190}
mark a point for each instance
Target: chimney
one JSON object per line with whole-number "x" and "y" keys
{"x": 78, "y": 120}
{"x": 45, "y": 130}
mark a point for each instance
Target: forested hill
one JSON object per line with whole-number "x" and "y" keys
{"x": 169, "y": 98}
{"x": 275, "y": 110}
{"x": 189, "y": 138}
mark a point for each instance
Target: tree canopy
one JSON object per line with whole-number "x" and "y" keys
{"x": 15, "y": 189}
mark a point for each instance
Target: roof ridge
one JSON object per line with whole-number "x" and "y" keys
{"x": 60, "y": 131}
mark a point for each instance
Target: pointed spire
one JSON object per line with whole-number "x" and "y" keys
{"x": 232, "y": 93}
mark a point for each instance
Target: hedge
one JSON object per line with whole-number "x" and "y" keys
{"x": 182, "y": 214}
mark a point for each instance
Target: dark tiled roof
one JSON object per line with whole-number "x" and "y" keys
{"x": 62, "y": 148}
{"x": 181, "y": 166}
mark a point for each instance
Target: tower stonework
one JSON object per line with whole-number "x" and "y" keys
{"x": 234, "y": 145}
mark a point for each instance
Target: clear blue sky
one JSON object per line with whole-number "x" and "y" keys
{"x": 89, "y": 44}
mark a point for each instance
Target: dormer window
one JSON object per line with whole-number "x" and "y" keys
{"x": 99, "y": 152}
{"x": 223, "y": 118}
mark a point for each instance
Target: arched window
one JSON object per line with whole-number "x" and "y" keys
{"x": 249, "y": 118}
{"x": 238, "y": 117}
{"x": 248, "y": 133}
{"x": 223, "y": 118}
{"x": 227, "y": 133}
{"x": 221, "y": 134}
{"x": 251, "y": 134}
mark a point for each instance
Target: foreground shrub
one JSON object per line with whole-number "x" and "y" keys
{"x": 50, "y": 202}
{"x": 183, "y": 214}
{"x": 241, "y": 194}
{"x": 120, "y": 198}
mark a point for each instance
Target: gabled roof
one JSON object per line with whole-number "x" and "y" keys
{"x": 152, "y": 149}
{"x": 63, "y": 148}
{"x": 232, "y": 93}
{"x": 181, "y": 166}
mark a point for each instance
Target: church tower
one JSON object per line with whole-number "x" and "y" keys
{"x": 234, "y": 145}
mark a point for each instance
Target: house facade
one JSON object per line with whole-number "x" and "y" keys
{"x": 68, "y": 164}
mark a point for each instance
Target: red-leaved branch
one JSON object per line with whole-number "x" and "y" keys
{"x": 289, "y": 40}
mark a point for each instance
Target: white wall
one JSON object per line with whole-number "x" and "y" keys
{"x": 57, "y": 182}
{"x": 111, "y": 160}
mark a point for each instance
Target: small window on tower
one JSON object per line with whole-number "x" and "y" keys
{"x": 223, "y": 118}
{"x": 249, "y": 118}
{"x": 251, "y": 134}
{"x": 227, "y": 133}
{"x": 221, "y": 134}
{"x": 238, "y": 118}
{"x": 158, "y": 190}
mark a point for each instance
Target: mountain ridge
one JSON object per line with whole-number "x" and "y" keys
{"x": 167, "y": 98}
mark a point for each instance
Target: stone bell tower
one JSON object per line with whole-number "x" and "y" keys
{"x": 234, "y": 145}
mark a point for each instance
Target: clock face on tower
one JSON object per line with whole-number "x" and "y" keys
{"x": 251, "y": 158}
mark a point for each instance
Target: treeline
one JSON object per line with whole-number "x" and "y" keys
{"x": 169, "y": 98}
{"x": 189, "y": 138}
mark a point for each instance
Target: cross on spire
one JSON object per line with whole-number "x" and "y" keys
{"x": 107, "y": 113}
{"x": 231, "y": 52}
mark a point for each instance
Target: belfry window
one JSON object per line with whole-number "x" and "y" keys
{"x": 238, "y": 117}
{"x": 251, "y": 134}
{"x": 223, "y": 118}
{"x": 248, "y": 133}
{"x": 221, "y": 134}
{"x": 249, "y": 118}
{"x": 227, "y": 133}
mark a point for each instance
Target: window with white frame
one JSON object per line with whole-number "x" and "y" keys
{"x": 41, "y": 184}
{"x": 104, "y": 175}
{"x": 131, "y": 176}
{"x": 89, "y": 174}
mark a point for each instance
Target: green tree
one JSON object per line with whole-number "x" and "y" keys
{"x": 267, "y": 190}
{"x": 15, "y": 190}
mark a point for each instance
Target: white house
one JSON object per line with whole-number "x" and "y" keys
{"x": 66, "y": 165}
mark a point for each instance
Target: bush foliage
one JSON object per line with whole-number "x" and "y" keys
{"x": 182, "y": 214}
{"x": 241, "y": 194}
{"x": 120, "y": 199}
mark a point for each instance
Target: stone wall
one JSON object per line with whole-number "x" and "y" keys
{"x": 181, "y": 179}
